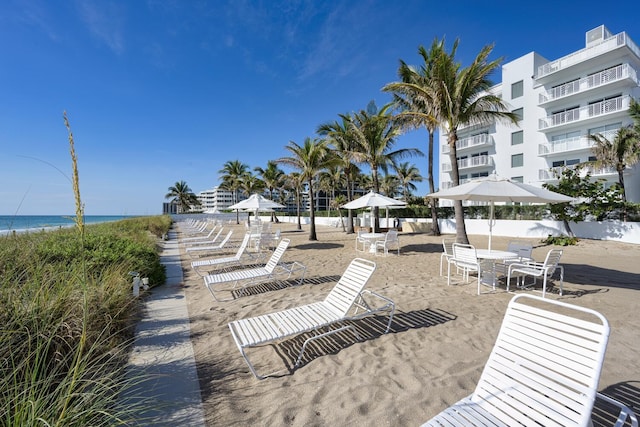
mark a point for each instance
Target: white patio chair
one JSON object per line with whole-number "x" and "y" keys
{"x": 543, "y": 370}
{"x": 348, "y": 300}
{"x": 466, "y": 259}
{"x": 272, "y": 270}
{"x": 447, "y": 251}
{"x": 545, "y": 270}
{"x": 361, "y": 241}
{"x": 391, "y": 240}
{"x": 522, "y": 248}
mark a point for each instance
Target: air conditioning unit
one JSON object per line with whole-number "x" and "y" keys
{"x": 597, "y": 35}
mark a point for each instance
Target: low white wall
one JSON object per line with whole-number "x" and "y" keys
{"x": 628, "y": 232}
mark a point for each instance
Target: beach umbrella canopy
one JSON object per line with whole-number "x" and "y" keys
{"x": 372, "y": 200}
{"x": 257, "y": 203}
{"x": 494, "y": 189}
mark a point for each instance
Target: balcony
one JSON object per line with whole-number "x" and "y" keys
{"x": 578, "y": 143}
{"x": 608, "y": 106}
{"x": 552, "y": 174}
{"x": 469, "y": 163}
{"x": 475, "y": 141}
{"x": 587, "y": 53}
{"x": 612, "y": 75}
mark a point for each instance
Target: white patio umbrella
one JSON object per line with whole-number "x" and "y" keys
{"x": 256, "y": 203}
{"x": 372, "y": 200}
{"x": 494, "y": 189}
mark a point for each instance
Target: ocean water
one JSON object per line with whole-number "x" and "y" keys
{"x": 22, "y": 223}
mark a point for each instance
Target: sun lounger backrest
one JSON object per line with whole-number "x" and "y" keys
{"x": 345, "y": 293}
{"x": 276, "y": 255}
{"x": 243, "y": 245}
{"x": 226, "y": 239}
{"x": 545, "y": 365}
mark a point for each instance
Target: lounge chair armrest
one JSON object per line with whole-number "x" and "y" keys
{"x": 388, "y": 305}
{"x": 625, "y": 411}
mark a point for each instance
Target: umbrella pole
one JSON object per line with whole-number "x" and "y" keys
{"x": 491, "y": 220}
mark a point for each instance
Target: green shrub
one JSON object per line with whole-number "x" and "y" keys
{"x": 560, "y": 240}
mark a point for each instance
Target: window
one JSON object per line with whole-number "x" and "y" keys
{"x": 572, "y": 162}
{"x": 479, "y": 175}
{"x": 517, "y": 160}
{"x": 592, "y": 158}
{"x": 517, "y": 138}
{"x": 519, "y": 112}
{"x": 517, "y": 90}
{"x": 557, "y": 163}
{"x": 517, "y": 178}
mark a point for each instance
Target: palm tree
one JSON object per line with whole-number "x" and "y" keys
{"x": 273, "y": 178}
{"x": 231, "y": 175}
{"x": 294, "y": 182}
{"x": 336, "y": 203}
{"x": 461, "y": 97}
{"x": 619, "y": 153}
{"x": 375, "y": 133}
{"x": 413, "y": 95}
{"x": 181, "y": 194}
{"x": 329, "y": 180}
{"x": 309, "y": 159}
{"x": 407, "y": 174}
{"x": 342, "y": 141}
{"x": 389, "y": 185}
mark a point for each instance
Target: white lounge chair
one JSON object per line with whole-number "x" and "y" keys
{"x": 272, "y": 270}
{"x": 210, "y": 248}
{"x": 205, "y": 242}
{"x": 222, "y": 261}
{"x": 200, "y": 238}
{"x": 543, "y": 370}
{"x": 545, "y": 270}
{"x": 345, "y": 302}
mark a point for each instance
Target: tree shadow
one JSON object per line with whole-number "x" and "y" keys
{"x": 319, "y": 245}
{"x": 420, "y": 248}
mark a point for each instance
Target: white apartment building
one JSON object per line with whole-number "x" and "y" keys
{"x": 560, "y": 103}
{"x": 215, "y": 199}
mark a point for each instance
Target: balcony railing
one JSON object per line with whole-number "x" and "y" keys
{"x": 552, "y": 174}
{"x": 621, "y": 72}
{"x": 565, "y": 145}
{"x": 470, "y": 142}
{"x": 587, "y": 53}
{"x": 583, "y": 113}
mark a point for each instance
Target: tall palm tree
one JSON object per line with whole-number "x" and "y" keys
{"x": 343, "y": 143}
{"x": 273, "y": 178}
{"x": 389, "y": 185}
{"x": 231, "y": 176}
{"x": 181, "y": 194}
{"x": 619, "y": 153}
{"x": 414, "y": 97}
{"x": 407, "y": 174}
{"x": 309, "y": 159}
{"x": 461, "y": 98}
{"x": 330, "y": 180}
{"x": 294, "y": 182}
{"x": 375, "y": 133}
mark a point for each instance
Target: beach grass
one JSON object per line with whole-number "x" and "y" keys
{"x": 66, "y": 319}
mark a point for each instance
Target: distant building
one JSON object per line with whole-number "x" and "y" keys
{"x": 169, "y": 208}
{"x": 560, "y": 103}
{"x": 216, "y": 199}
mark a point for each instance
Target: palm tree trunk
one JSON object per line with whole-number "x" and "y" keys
{"x": 298, "y": 209}
{"x": 435, "y": 227}
{"x": 350, "y": 214}
{"x": 312, "y": 214}
{"x": 461, "y": 230}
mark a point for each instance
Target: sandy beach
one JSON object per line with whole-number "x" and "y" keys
{"x": 433, "y": 356}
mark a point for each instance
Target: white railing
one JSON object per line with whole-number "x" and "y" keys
{"x": 554, "y": 173}
{"x": 470, "y": 142}
{"x": 587, "y": 53}
{"x": 474, "y": 162}
{"x": 620, "y": 72}
{"x": 564, "y": 145}
{"x": 592, "y": 110}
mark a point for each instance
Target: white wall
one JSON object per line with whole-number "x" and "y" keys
{"x": 628, "y": 232}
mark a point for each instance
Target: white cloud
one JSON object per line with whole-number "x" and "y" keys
{"x": 105, "y": 21}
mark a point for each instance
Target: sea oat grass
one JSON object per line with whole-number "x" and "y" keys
{"x": 66, "y": 322}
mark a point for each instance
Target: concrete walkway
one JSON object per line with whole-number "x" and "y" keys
{"x": 163, "y": 354}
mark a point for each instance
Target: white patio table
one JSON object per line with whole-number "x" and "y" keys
{"x": 372, "y": 237}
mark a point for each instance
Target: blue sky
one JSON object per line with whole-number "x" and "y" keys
{"x": 161, "y": 91}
